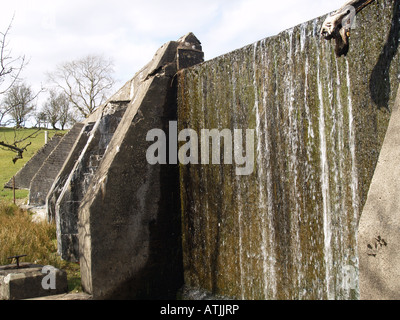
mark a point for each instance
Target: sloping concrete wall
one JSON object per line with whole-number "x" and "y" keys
{"x": 122, "y": 97}
{"x": 129, "y": 218}
{"x": 24, "y": 177}
{"x": 44, "y": 178}
{"x": 379, "y": 229}
{"x": 78, "y": 181}
{"x": 73, "y": 180}
{"x": 64, "y": 173}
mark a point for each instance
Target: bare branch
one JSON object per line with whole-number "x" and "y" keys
{"x": 85, "y": 82}
{"x": 16, "y": 146}
{"x": 32, "y": 135}
{"x": 15, "y": 149}
{"x": 10, "y": 68}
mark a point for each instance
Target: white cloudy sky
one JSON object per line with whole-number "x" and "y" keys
{"x": 49, "y": 32}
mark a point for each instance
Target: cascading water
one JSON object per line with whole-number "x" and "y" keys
{"x": 324, "y": 184}
{"x": 288, "y": 230}
{"x": 354, "y": 184}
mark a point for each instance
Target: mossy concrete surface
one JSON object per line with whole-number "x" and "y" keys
{"x": 289, "y": 230}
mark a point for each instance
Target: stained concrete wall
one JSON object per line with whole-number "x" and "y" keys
{"x": 91, "y": 124}
{"x": 286, "y": 231}
{"x": 66, "y": 199}
{"x": 65, "y": 171}
{"x": 129, "y": 218}
{"x": 289, "y": 229}
{"x": 73, "y": 180}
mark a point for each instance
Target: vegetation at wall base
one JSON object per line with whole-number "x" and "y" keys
{"x": 18, "y": 233}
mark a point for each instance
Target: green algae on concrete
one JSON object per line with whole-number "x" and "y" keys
{"x": 288, "y": 231}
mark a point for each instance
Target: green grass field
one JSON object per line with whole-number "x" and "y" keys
{"x": 7, "y": 168}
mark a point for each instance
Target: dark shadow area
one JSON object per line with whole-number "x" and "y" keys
{"x": 162, "y": 276}
{"x": 380, "y": 78}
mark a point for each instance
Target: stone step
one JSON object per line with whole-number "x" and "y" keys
{"x": 27, "y": 280}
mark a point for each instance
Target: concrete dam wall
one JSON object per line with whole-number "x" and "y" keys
{"x": 277, "y": 143}
{"x": 288, "y": 230}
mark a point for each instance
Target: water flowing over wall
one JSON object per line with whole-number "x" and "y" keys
{"x": 289, "y": 230}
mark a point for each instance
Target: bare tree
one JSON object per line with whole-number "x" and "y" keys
{"x": 73, "y": 117}
{"x": 51, "y": 110}
{"x": 57, "y": 109}
{"x": 86, "y": 82}
{"x": 19, "y": 100}
{"x": 10, "y": 69}
{"x": 41, "y": 119}
{"x": 4, "y": 111}
{"x": 66, "y": 114}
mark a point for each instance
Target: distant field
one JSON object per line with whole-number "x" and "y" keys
{"x": 7, "y": 168}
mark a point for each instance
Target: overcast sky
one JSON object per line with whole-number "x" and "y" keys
{"x": 49, "y": 32}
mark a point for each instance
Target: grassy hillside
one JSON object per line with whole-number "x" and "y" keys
{"x": 7, "y": 168}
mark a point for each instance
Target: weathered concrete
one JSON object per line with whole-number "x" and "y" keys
{"x": 288, "y": 230}
{"x": 78, "y": 181}
{"x": 129, "y": 219}
{"x": 26, "y": 282}
{"x": 379, "y": 229}
{"x": 73, "y": 180}
{"x": 24, "y": 176}
{"x": 44, "y": 178}
{"x": 65, "y": 171}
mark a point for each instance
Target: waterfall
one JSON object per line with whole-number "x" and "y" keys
{"x": 354, "y": 180}
{"x": 354, "y": 177}
{"x": 270, "y": 274}
{"x": 261, "y": 175}
{"x": 287, "y": 231}
{"x": 324, "y": 184}
{"x": 240, "y": 211}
